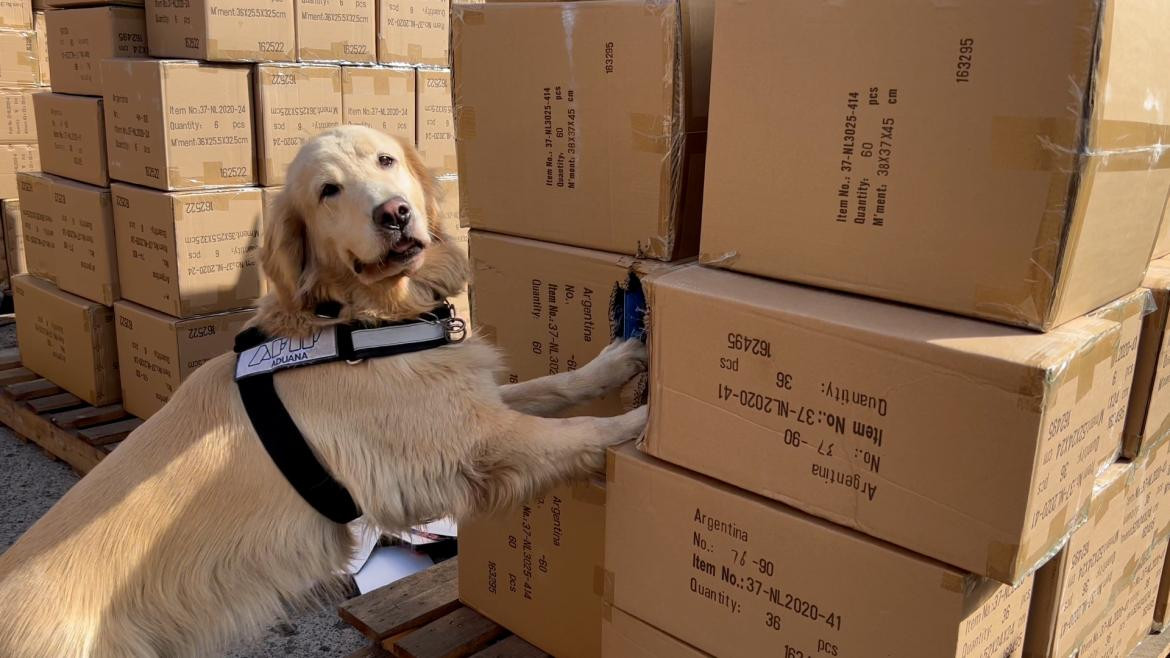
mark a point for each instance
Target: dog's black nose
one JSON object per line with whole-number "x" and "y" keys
{"x": 394, "y": 214}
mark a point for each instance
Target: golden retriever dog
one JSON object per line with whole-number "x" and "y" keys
{"x": 187, "y": 538}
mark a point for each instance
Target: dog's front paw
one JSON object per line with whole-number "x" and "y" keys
{"x": 617, "y": 364}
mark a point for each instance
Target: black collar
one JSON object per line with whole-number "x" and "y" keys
{"x": 260, "y": 356}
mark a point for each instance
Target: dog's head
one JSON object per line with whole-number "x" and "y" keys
{"x": 357, "y": 223}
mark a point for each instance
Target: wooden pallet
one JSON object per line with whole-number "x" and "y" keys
{"x": 421, "y": 617}
{"x": 67, "y": 428}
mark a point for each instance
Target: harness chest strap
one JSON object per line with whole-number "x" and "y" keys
{"x": 259, "y": 357}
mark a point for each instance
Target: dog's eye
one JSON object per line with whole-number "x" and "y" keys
{"x": 329, "y": 189}
{"x": 386, "y": 161}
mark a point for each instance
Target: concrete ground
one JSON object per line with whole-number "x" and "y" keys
{"x": 30, "y": 482}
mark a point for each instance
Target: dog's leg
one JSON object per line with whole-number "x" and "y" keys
{"x": 534, "y": 453}
{"x": 616, "y": 364}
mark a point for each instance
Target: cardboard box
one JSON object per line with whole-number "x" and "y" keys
{"x": 65, "y": 4}
{"x": 449, "y": 219}
{"x": 157, "y": 352}
{"x": 222, "y": 31}
{"x": 1162, "y": 601}
{"x": 17, "y": 119}
{"x": 337, "y": 31}
{"x": 627, "y": 636}
{"x": 565, "y": 294}
{"x": 86, "y": 264}
{"x": 962, "y": 440}
{"x": 1147, "y": 514}
{"x": 15, "y": 158}
{"x": 66, "y": 339}
{"x": 72, "y": 137}
{"x": 1131, "y": 619}
{"x": 20, "y": 62}
{"x": 413, "y": 32}
{"x": 79, "y": 39}
{"x": 381, "y": 97}
{"x": 1078, "y": 587}
{"x": 188, "y": 253}
{"x": 293, "y": 104}
{"x": 597, "y": 139}
{"x": 1149, "y": 402}
{"x": 537, "y": 570}
{"x": 13, "y": 238}
{"x": 1162, "y": 245}
{"x": 38, "y": 222}
{"x": 735, "y": 575}
{"x": 267, "y": 196}
{"x": 436, "y": 126}
{"x": 42, "y": 47}
{"x": 16, "y": 15}
{"x": 178, "y": 124}
{"x": 1128, "y": 312}
{"x": 1042, "y": 207}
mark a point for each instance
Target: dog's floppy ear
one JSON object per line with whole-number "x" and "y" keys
{"x": 283, "y": 256}
{"x": 426, "y": 178}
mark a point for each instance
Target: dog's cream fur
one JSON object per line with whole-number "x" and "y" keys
{"x": 187, "y": 538}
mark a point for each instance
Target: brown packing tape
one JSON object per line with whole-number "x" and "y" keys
{"x": 607, "y": 612}
{"x": 608, "y": 586}
{"x": 955, "y": 582}
{"x": 650, "y": 133}
{"x": 1001, "y": 560}
{"x": 599, "y": 577}
{"x": 467, "y": 16}
{"x": 1035, "y": 143}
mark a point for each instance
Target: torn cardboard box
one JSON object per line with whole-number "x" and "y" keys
{"x": 943, "y": 156}
{"x": 85, "y": 265}
{"x": 20, "y": 62}
{"x": 380, "y": 97}
{"x": 66, "y": 339}
{"x": 222, "y": 31}
{"x": 188, "y": 253}
{"x": 13, "y": 238}
{"x": 72, "y": 137}
{"x": 294, "y": 103}
{"x": 733, "y": 574}
{"x": 17, "y": 119}
{"x": 597, "y": 139}
{"x": 1149, "y": 402}
{"x": 548, "y": 307}
{"x": 157, "y": 352}
{"x": 15, "y": 158}
{"x": 966, "y": 441}
{"x": 79, "y": 39}
{"x": 174, "y": 124}
{"x": 413, "y": 32}
{"x": 625, "y": 635}
{"x": 337, "y": 31}
{"x": 38, "y": 222}
{"x": 537, "y": 570}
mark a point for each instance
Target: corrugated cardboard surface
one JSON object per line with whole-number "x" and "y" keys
{"x": 380, "y": 97}
{"x": 293, "y": 104}
{"x": 20, "y": 62}
{"x": 42, "y": 47}
{"x": 38, "y": 221}
{"x": 64, "y": 4}
{"x": 1001, "y": 209}
{"x": 966, "y": 441}
{"x": 67, "y": 340}
{"x": 1162, "y": 246}
{"x": 1077, "y": 587}
{"x": 72, "y": 137}
{"x": 629, "y": 637}
{"x": 449, "y": 220}
{"x": 735, "y": 575}
{"x": 436, "y": 126}
{"x": 413, "y": 32}
{"x": 547, "y": 306}
{"x": 1131, "y": 618}
{"x": 79, "y": 39}
{"x": 175, "y": 125}
{"x": 222, "y": 30}
{"x": 537, "y": 570}
{"x": 1162, "y": 601}
{"x": 188, "y": 253}
{"x": 1129, "y": 312}
{"x": 1147, "y": 515}
{"x": 16, "y": 15}
{"x": 336, "y": 31}
{"x": 17, "y": 118}
{"x": 156, "y": 352}
{"x": 85, "y": 263}
{"x": 1149, "y": 403}
{"x": 13, "y": 238}
{"x": 15, "y": 158}
{"x": 589, "y": 128}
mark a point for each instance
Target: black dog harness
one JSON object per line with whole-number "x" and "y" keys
{"x": 260, "y": 357}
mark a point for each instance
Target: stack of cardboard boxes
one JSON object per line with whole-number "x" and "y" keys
{"x": 909, "y": 401}
{"x": 168, "y": 132}
{"x": 24, "y": 73}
